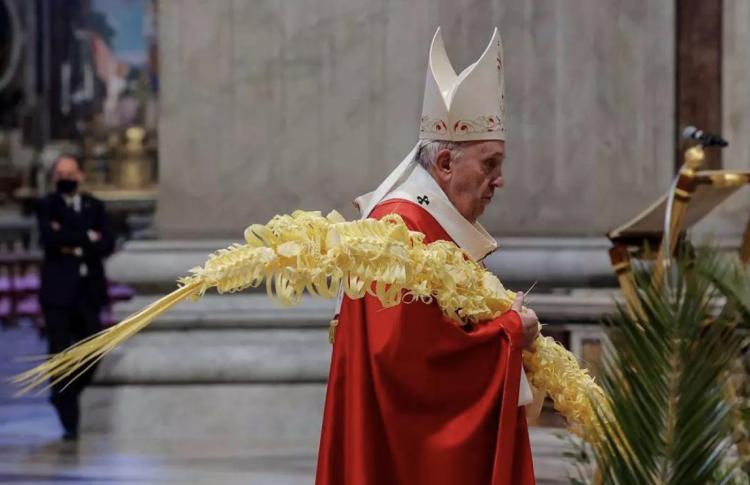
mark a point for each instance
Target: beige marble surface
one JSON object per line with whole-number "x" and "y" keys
{"x": 269, "y": 106}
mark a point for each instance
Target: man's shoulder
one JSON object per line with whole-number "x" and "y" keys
{"x": 405, "y": 208}
{"x": 53, "y": 197}
{"x": 91, "y": 199}
{"x": 48, "y": 199}
{"x": 415, "y": 217}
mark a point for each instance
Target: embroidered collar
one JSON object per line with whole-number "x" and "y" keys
{"x": 421, "y": 188}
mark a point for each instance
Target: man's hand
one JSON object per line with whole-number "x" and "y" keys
{"x": 94, "y": 236}
{"x": 528, "y": 319}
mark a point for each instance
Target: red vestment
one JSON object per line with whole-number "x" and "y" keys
{"x": 414, "y": 399}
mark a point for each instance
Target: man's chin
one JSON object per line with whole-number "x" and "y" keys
{"x": 483, "y": 205}
{"x": 478, "y": 213}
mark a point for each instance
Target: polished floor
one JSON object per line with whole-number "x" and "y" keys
{"x": 32, "y": 453}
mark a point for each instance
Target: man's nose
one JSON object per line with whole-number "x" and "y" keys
{"x": 498, "y": 182}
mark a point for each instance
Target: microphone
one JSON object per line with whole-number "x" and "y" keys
{"x": 705, "y": 139}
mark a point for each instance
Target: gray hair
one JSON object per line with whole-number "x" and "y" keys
{"x": 428, "y": 150}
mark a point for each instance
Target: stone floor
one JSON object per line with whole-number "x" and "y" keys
{"x": 31, "y": 452}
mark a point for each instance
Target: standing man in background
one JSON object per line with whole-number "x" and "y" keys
{"x": 75, "y": 235}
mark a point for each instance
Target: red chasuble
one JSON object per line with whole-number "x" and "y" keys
{"x": 413, "y": 398}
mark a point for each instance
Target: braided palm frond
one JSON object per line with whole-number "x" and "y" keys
{"x": 306, "y": 252}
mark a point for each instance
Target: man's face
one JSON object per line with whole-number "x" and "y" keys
{"x": 470, "y": 181}
{"x": 67, "y": 169}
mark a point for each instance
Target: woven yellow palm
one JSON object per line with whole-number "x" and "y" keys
{"x": 307, "y": 252}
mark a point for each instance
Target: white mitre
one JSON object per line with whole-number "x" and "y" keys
{"x": 464, "y": 107}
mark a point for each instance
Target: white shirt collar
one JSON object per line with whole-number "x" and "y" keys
{"x": 73, "y": 201}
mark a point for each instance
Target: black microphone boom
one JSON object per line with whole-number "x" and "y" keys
{"x": 705, "y": 139}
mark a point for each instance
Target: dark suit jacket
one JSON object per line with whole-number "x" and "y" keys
{"x": 61, "y": 271}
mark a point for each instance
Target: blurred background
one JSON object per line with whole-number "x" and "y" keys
{"x": 196, "y": 118}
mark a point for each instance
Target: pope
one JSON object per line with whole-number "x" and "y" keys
{"x": 414, "y": 398}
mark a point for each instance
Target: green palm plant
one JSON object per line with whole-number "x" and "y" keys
{"x": 666, "y": 373}
{"x": 732, "y": 278}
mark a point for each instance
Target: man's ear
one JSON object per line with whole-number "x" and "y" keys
{"x": 443, "y": 166}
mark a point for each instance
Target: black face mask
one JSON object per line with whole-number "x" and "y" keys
{"x": 67, "y": 186}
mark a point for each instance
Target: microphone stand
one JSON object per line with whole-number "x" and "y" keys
{"x": 683, "y": 185}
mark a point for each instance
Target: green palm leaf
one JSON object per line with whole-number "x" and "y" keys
{"x": 665, "y": 374}
{"x": 732, "y": 278}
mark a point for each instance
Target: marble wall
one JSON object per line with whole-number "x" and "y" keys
{"x": 268, "y": 106}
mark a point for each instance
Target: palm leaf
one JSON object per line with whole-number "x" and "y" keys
{"x": 670, "y": 419}
{"x": 727, "y": 273}
{"x": 732, "y": 277}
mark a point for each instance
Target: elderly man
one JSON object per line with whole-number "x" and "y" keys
{"x": 75, "y": 235}
{"x": 412, "y": 397}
